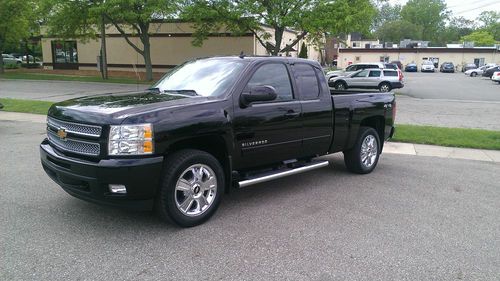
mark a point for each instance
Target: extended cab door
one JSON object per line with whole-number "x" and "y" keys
{"x": 317, "y": 109}
{"x": 268, "y": 132}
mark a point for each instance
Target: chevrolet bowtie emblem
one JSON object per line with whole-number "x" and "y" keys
{"x": 61, "y": 133}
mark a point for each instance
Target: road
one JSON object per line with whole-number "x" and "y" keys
{"x": 425, "y": 100}
{"x": 59, "y": 90}
{"x": 450, "y": 86}
{"x": 413, "y": 218}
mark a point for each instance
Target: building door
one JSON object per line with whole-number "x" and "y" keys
{"x": 64, "y": 54}
{"x": 479, "y": 62}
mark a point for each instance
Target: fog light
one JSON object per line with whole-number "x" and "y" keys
{"x": 117, "y": 188}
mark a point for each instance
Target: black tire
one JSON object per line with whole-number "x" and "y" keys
{"x": 473, "y": 74}
{"x": 340, "y": 85}
{"x": 353, "y": 157}
{"x": 384, "y": 87}
{"x": 175, "y": 166}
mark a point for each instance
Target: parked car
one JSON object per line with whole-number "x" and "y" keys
{"x": 447, "y": 67}
{"x": 411, "y": 67}
{"x": 355, "y": 67}
{"x": 496, "y": 76}
{"x": 489, "y": 72}
{"x": 477, "y": 71}
{"x": 427, "y": 66}
{"x": 468, "y": 66}
{"x": 398, "y": 63}
{"x": 10, "y": 60}
{"x": 382, "y": 79}
{"x": 207, "y": 126}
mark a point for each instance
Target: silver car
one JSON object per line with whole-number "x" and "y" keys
{"x": 382, "y": 79}
{"x": 10, "y": 60}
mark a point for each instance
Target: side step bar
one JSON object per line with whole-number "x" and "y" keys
{"x": 282, "y": 173}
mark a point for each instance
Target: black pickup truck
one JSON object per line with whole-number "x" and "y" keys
{"x": 207, "y": 126}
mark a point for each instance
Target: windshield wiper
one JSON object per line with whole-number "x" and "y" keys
{"x": 190, "y": 93}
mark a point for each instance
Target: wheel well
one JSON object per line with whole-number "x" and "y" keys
{"x": 214, "y": 145}
{"x": 384, "y": 82}
{"x": 377, "y": 123}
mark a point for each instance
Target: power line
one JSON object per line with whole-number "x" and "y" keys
{"x": 476, "y": 8}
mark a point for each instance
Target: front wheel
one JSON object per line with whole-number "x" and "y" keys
{"x": 363, "y": 157}
{"x": 340, "y": 85}
{"x": 191, "y": 189}
{"x": 473, "y": 74}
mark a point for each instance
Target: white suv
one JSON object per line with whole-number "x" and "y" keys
{"x": 353, "y": 68}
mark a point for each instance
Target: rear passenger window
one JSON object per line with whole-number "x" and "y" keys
{"x": 307, "y": 81}
{"x": 275, "y": 75}
{"x": 374, "y": 73}
{"x": 390, "y": 73}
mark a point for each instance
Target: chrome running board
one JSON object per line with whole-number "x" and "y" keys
{"x": 259, "y": 178}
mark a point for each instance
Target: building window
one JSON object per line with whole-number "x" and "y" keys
{"x": 354, "y": 44}
{"x": 64, "y": 54}
{"x": 384, "y": 59}
{"x": 357, "y": 58}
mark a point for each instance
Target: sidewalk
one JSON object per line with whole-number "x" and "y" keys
{"x": 442, "y": 151}
{"x": 389, "y": 147}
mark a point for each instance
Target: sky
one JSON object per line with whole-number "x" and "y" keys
{"x": 469, "y": 9}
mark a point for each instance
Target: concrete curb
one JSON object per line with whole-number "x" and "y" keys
{"x": 442, "y": 151}
{"x": 390, "y": 147}
{"x": 24, "y": 117}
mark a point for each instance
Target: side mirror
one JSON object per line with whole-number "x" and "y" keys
{"x": 258, "y": 93}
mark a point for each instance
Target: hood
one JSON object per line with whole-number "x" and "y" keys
{"x": 114, "y": 108}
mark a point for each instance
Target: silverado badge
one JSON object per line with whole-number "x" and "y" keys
{"x": 61, "y": 133}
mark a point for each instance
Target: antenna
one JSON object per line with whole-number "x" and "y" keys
{"x": 242, "y": 55}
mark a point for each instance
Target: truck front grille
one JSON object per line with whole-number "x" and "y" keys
{"x": 74, "y": 137}
{"x": 74, "y": 128}
{"x": 73, "y": 145}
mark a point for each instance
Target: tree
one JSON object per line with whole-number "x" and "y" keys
{"x": 132, "y": 18}
{"x": 386, "y": 13}
{"x": 430, "y": 15}
{"x": 305, "y": 16}
{"x": 491, "y": 23}
{"x": 395, "y": 31}
{"x": 456, "y": 28}
{"x": 480, "y": 38}
{"x": 15, "y": 19}
{"x": 303, "y": 51}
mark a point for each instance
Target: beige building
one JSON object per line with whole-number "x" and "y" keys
{"x": 458, "y": 56}
{"x": 170, "y": 46}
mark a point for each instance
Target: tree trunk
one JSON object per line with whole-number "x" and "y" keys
{"x": 147, "y": 58}
{"x": 104, "y": 59}
{"x": 1, "y": 64}
{"x": 278, "y": 37}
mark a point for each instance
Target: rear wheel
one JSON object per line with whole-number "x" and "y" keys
{"x": 384, "y": 87}
{"x": 191, "y": 189}
{"x": 363, "y": 157}
{"x": 340, "y": 85}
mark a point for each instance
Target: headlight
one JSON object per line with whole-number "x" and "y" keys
{"x": 130, "y": 140}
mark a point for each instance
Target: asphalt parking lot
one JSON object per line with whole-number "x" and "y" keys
{"x": 450, "y": 86}
{"x": 413, "y": 218}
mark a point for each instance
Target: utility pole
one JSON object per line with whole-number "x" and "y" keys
{"x": 104, "y": 60}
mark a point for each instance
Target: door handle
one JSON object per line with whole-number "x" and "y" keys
{"x": 291, "y": 113}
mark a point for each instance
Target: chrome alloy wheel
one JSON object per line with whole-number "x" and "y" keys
{"x": 195, "y": 190}
{"x": 340, "y": 86}
{"x": 369, "y": 151}
{"x": 385, "y": 88}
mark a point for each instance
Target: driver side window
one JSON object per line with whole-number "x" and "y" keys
{"x": 275, "y": 75}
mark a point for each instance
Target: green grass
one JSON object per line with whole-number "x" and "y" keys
{"x": 58, "y": 77}
{"x": 454, "y": 137}
{"x": 25, "y": 106}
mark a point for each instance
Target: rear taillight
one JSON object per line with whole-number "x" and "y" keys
{"x": 400, "y": 75}
{"x": 498, "y": 73}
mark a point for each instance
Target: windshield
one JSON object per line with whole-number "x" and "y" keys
{"x": 203, "y": 77}
{"x": 428, "y": 63}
